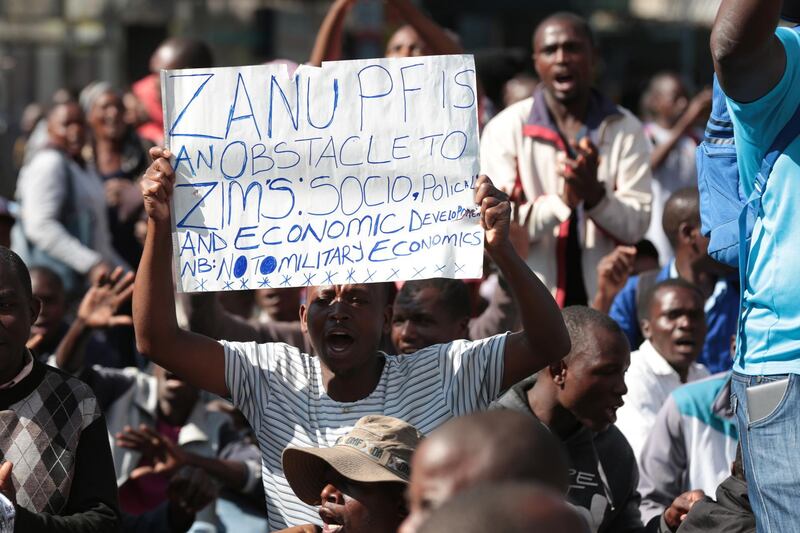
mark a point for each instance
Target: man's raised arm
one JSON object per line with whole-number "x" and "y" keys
{"x": 544, "y": 338}
{"x": 328, "y": 43}
{"x": 197, "y": 359}
{"x": 748, "y": 57}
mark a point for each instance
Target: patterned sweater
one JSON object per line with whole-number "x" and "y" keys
{"x": 52, "y": 430}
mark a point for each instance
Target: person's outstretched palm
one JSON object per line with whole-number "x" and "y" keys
{"x": 103, "y": 299}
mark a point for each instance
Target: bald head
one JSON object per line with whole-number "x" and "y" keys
{"x": 486, "y": 447}
{"x": 495, "y": 446}
{"x": 683, "y": 207}
{"x": 181, "y": 52}
{"x": 510, "y": 508}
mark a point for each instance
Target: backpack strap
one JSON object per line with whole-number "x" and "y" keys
{"x": 789, "y": 133}
{"x": 753, "y": 206}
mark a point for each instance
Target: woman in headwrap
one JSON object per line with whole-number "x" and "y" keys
{"x": 119, "y": 156}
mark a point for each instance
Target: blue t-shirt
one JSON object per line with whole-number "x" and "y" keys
{"x": 769, "y": 342}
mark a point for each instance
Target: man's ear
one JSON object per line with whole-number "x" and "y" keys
{"x": 686, "y": 232}
{"x": 303, "y": 318}
{"x": 645, "y": 327}
{"x": 558, "y": 373}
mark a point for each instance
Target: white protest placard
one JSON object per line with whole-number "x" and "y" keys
{"x": 359, "y": 171}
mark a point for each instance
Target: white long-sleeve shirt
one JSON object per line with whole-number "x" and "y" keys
{"x": 41, "y": 193}
{"x": 650, "y": 380}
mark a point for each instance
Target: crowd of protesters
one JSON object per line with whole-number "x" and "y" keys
{"x": 606, "y": 375}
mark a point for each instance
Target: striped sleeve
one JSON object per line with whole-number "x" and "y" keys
{"x": 472, "y": 373}
{"x": 247, "y": 368}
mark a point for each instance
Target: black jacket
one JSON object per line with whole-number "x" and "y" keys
{"x": 731, "y": 513}
{"x": 603, "y": 473}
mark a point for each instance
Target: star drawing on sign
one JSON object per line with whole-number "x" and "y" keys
{"x": 308, "y": 279}
{"x": 243, "y": 284}
{"x": 418, "y": 271}
{"x": 459, "y": 268}
{"x": 395, "y": 273}
{"x": 228, "y": 286}
{"x": 329, "y": 278}
{"x": 201, "y": 285}
{"x": 350, "y": 274}
{"x": 440, "y": 269}
{"x": 264, "y": 282}
{"x": 287, "y": 279}
{"x": 369, "y": 276}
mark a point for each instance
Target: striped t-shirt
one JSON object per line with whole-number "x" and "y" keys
{"x": 279, "y": 390}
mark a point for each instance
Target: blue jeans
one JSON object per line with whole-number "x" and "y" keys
{"x": 771, "y": 454}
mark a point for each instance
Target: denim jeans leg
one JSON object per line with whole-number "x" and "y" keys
{"x": 771, "y": 453}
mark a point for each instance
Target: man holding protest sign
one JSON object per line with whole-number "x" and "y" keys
{"x": 274, "y": 188}
{"x": 293, "y": 398}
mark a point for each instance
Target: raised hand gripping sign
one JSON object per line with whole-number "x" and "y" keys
{"x": 359, "y": 171}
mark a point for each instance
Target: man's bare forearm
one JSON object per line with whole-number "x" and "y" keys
{"x": 153, "y": 299}
{"x": 196, "y": 358}
{"x": 199, "y": 360}
{"x": 748, "y": 58}
{"x": 328, "y": 43}
{"x": 437, "y": 39}
{"x": 743, "y": 27}
{"x": 545, "y": 338}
